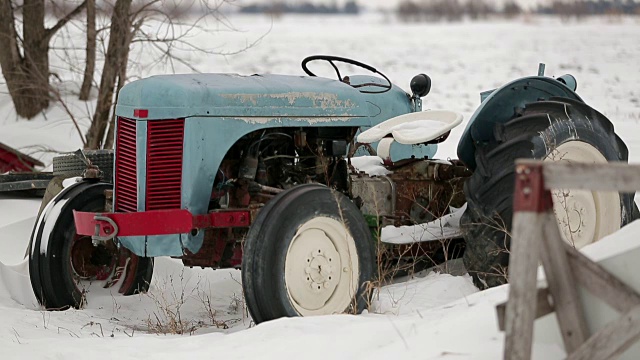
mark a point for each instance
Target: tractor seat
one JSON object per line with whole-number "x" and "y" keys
{"x": 413, "y": 128}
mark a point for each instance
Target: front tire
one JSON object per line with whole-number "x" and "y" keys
{"x": 309, "y": 252}
{"x": 67, "y": 269}
{"x": 556, "y": 130}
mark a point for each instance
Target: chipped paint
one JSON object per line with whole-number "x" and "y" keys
{"x": 304, "y": 120}
{"x": 321, "y": 100}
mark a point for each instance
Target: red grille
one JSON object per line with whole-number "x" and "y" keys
{"x": 164, "y": 164}
{"x": 126, "y": 193}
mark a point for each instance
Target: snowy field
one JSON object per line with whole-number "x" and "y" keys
{"x": 431, "y": 317}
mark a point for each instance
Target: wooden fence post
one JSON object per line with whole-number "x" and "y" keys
{"x": 530, "y": 205}
{"x": 534, "y": 223}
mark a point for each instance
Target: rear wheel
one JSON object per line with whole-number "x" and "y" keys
{"x": 67, "y": 269}
{"x": 555, "y": 130}
{"x": 309, "y": 252}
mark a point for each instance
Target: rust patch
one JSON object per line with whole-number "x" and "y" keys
{"x": 317, "y": 100}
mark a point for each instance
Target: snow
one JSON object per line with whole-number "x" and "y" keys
{"x": 431, "y": 317}
{"x": 370, "y": 165}
{"x": 420, "y": 126}
{"x": 446, "y": 227}
{"x": 418, "y": 132}
{"x": 413, "y": 128}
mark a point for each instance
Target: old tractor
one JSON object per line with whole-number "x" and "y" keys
{"x": 260, "y": 173}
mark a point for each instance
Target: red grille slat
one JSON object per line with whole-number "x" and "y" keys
{"x": 126, "y": 193}
{"x": 164, "y": 164}
{"x": 164, "y": 188}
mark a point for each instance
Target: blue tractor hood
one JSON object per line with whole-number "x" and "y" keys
{"x": 232, "y": 95}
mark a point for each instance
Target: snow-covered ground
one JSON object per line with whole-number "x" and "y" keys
{"x": 435, "y": 316}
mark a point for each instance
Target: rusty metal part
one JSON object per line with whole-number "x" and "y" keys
{"x": 375, "y": 194}
{"x": 261, "y": 176}
{"x": 249, "y": 168}
{"x": 270, "y": 190}
{"x": 108, "y": 200}
{"x": 241, "y": 196}
{"x": 254, "y": 209}
{"x": 418, "y": 190}
{"x": 93, "y": 262}
{"x": 356, "y": 146}
{"x": 228, "y": 170}
{"x": 92, "y": 172}
{"x": 431, "y": 185}
{"x": 300, "y": 139}
{"x": 221, "y": 248}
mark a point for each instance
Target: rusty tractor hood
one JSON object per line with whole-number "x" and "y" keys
{"x": 232, "y": 95}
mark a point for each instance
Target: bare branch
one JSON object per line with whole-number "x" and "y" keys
{"x": 62, "y": 22}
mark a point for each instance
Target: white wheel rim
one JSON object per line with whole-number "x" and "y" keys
{"x": 321, "y": 268}
{"x": 584, "y": 216}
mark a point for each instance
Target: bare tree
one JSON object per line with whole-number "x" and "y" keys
{"x": 90, "y": 61}
{"x": 25, "y": 58}
{"x": 167, "y": 40}
{"x": 115, "y": 59}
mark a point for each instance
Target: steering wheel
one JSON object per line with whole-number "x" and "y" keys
{"x": 331, "y": 59}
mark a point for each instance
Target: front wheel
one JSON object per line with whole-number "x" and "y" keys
{"x": 67, "y": 269}
{"x": 555, "y": 130}
{"x": 309, "y": 252}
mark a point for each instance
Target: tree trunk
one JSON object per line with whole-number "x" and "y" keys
{"x": 27, "y": 76}
{"x": 90, "y": 63}
{"x": 108, "y": 144}
{"x": 122, "y": 78}
{"x": 119, "y": 41}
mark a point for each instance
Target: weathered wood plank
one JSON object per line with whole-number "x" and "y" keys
{"x": 620, "y": 177}
{"x": 543, "y": 307}
{"x": 600, "y": 283}
{"x": 562, "y": 286}
{"x": 612, "y": 340}
{"x": 523, "y": 262}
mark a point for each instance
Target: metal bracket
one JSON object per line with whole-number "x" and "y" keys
{"x": 541, "y": 68}
{"x": 417, "y": 103}
{"x": 97, "y": 237}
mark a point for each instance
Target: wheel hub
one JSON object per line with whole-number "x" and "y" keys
{"x": 319, "y": 268}
{"x": 576, "y": 213}
{"x": 89, "y": 262}
{"x": 320, "y": 271}
{"x": 584, "y": 216}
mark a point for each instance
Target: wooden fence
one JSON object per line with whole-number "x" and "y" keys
{"x": 536, "y": 238}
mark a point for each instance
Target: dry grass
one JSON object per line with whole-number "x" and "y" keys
{"x": 171, "y": 300}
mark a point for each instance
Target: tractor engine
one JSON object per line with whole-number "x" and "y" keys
{"x": 262, "y": 164}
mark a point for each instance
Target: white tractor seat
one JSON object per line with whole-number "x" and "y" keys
{"x": 413, "y": 128}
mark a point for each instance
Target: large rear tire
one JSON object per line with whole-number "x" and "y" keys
{"x": 67, "y": 269}
{"x": 309, "y": 252}
{"x": 556, "y": 130}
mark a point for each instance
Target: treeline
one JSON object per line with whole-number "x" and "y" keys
{"x": 350, "y": 8}
{"x": 456, "y": 10}
{"x": 590, "y": 7}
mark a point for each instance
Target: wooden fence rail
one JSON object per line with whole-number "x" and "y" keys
{"x": 536, "y": 238}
